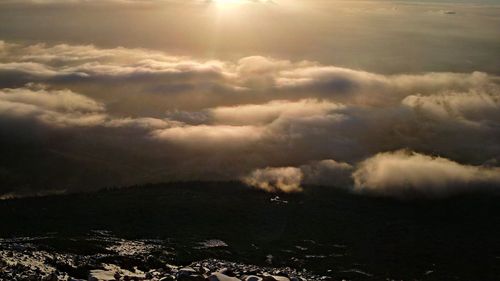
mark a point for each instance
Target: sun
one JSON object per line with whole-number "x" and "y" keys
{"x": 228, "y": 2}
{"x": 228, "y": 6}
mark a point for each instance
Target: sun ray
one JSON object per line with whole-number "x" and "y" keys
{"x": 228, "y": 2}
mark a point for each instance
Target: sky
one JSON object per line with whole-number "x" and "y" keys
{"x": 392, "y": 98}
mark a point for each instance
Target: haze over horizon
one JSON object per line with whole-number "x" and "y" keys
{"x": 393, "y": 98}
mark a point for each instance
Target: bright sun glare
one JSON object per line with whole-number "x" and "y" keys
{"x": 226, "y": 2}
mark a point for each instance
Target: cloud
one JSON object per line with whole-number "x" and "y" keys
{"x": 398, "y": 174}
{"x": 58, "y": 100}
{"x": 328, "y": 173}
{"x": 57, "y": 108}
{"x": 200, "y": 136}
{"x": 166, "y": 82}
{"x": 261, "y": 114}
{"x": 468, "y": 107}
{"x": 289, "y": 179}
{"x": 121, "y": 116}
{"x": 285, "y": 179}
{"x": 403, "y": 173}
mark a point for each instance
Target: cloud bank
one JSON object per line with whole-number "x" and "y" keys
{"x": 405, "y": 173}
{"x": 76, "y": 118}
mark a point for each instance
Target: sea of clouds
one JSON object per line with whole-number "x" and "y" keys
{"x": 79, "y": 117}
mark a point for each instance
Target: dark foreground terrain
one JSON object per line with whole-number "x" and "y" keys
{"x": 322, "y": 234}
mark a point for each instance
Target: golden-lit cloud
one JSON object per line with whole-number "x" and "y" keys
{"x": 57, "y": 108}
{"x": 262, "y": 114}
{"x": 124, "y": 116}
{"x": 287, "y": 179}
{"x": 206, "y": 136}
{"x": 407, "y": 174}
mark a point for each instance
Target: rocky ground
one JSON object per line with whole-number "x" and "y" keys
{"x": 16, "y": 266}
{"x": 142, "y": 232}
{"x": 20, "y": 259}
